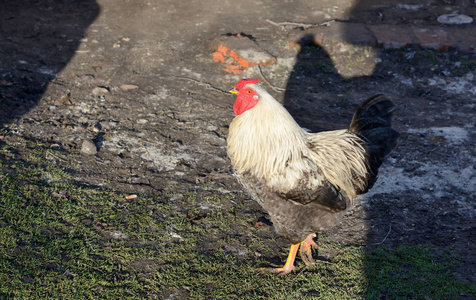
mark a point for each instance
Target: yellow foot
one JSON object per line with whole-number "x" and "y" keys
{"x": 307, "y": 247}
{"x": 288, "y": 266}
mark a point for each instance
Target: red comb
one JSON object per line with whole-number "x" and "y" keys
{"x": 244, "y": 82}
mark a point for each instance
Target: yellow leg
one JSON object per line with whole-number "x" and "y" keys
{"x": 289, "y": 265}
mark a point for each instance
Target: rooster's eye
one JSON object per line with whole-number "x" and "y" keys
{"x": 249, "y": 92}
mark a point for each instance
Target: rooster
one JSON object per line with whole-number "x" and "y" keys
{"x": 305, "y": 181}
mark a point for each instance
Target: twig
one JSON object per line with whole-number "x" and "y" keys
{"x": 276, "y": 89}
{"x": 326, "y": 262}
{"x": 390, "y": 229}
{"x": 303, "y": 25}
{"x": 206, "y": 84}
{"x": 55, "y": 156}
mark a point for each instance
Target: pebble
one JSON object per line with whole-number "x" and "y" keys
{"x": 454, "y": 19}
{"x": 88, "y": 148}
{"x": 176, "y": 197}
{"x": 410, "y": 6}
{"x": 106, "y": 125}
{"x": 118, "y": 235}
{"x": 129, "y": 87}
{"x": 176, "y": 236}
{"x": 100, "y": 91}
{"x": 63, "y": 100}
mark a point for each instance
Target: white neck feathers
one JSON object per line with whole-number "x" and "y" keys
{"x": 265, "y": 139}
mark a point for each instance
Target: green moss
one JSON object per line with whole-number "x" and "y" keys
{"x": 59, "y": 240}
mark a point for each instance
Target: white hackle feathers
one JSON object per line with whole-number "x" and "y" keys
{"x": 268, "y": 143}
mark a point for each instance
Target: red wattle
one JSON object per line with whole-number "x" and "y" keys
{"x": 241, "y": 106}
{"x": 238, "y": 107}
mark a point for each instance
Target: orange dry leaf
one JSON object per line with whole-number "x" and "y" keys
{"x": 218, "y": 57}
{"x": 243, "y": 62}
{"x": 223, "y": 49}
{"x": 102, "y": 226}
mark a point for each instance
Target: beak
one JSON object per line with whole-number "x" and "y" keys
{"x": 233, "y": 91}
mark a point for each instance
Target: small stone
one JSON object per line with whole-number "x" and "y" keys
{"x": 454, "y": 19}
{"x": 52, "y": 107}
{"x": 59, "y": 195}
{"x": 100, "y": 91}
{"x": 410, "y": 6}
{"x": 88, "y": 147}
{"x": 176, "y": 236}
{"x": 118, "y": 235}
{"x": 124, "y": 154}
{"x": 176, "y": 197}
{"x": 212, "y": 128}
{"x": 63, "y": 100}
{"x": 106, "y": 125}
{"x": 129, "y": 87}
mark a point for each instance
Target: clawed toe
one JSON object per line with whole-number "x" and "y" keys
{"x": 308, "y": 246}
{"x": 281, "y": 271}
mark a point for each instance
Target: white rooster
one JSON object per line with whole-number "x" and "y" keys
{"x": 305, "y": 181}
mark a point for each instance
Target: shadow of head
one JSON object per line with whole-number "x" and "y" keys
{"x": 312, "y": 77}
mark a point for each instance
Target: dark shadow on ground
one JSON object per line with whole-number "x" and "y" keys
{"x": 38, "y": 39}
{"x": 320, "y": 99}
{"x": 313, "y": 73}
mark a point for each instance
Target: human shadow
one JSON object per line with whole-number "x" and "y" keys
{"x": 397, "y": 223}
{"x": 312, "y": 73}
{"x": 39, "y": 38}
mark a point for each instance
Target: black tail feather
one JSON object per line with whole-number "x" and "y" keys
{"x": 373, "y": 122}
{"x": 374, "y": 111}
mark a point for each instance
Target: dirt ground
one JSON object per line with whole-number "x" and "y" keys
{"x": 138, "y": 80}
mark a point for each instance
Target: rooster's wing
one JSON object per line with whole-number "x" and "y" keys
{"x": 324, "y": 192}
